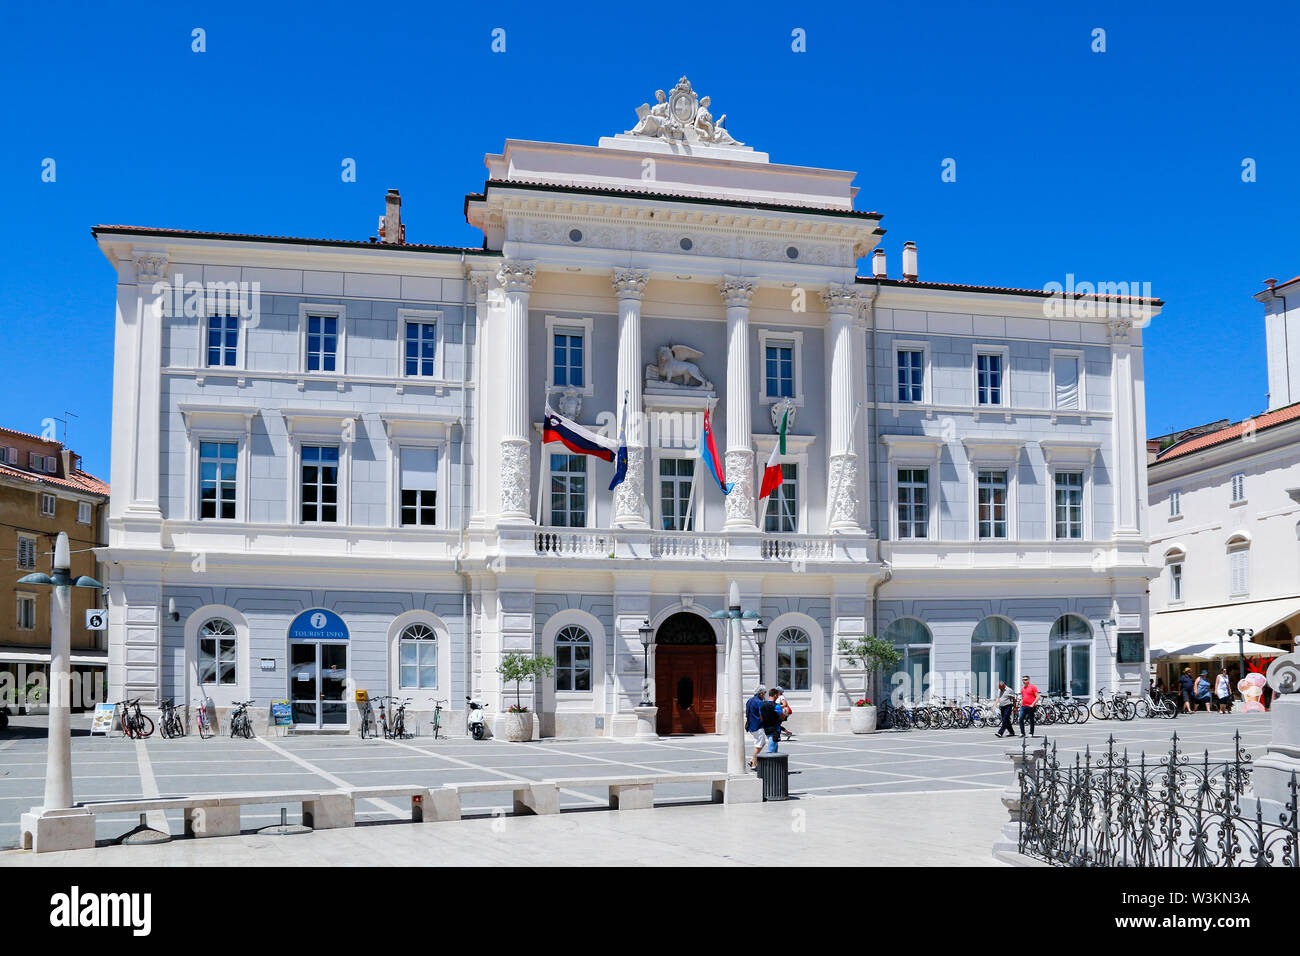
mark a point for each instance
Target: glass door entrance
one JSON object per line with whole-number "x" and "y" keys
{"x": 318, "y": 676}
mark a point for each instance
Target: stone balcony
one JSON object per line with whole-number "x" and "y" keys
{"x": 695, "y": 546}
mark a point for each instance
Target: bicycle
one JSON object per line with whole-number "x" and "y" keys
{"x": 171, "y": 724}
{"x": 367, "y": 720}
{"x": 1118, "y": 707}
{"x": 399, "y": 719}
{"x": 241, "y": 725}
{"x": 437, "y": 717}
{"x": 135, "y": 723}
{"x": 201, "y": 721}
{"x": 1159, "y": 706}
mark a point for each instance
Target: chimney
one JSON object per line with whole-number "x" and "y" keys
{"x": 1270, "y": 283}
{"x": 878, "y": 264}
{"x": 391, "y": 229}
{"x": 67, "y": 462}
{"x": 909, "y": 262}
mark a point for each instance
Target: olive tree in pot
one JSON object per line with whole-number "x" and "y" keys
{"x": 519, "y": 667}
{"x": 871, "y": 654}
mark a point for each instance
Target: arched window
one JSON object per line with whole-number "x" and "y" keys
{"x": 993, "y": 655}
{"x": 573, "y": 659}
{"x": 913, "y": 640}
{"x": 1069, "y": 657}
{"x": 217, "y": 652}
{"x": 1238, "y": 565}
{"x": 417, "y": 657}
{"x": 794, "y": 659}
{"x": 1174, "y": 558}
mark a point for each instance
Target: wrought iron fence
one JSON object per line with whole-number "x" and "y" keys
{"x": 1113, "y": 810}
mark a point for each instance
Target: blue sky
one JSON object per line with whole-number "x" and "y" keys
{"x": 1122, "y": 165}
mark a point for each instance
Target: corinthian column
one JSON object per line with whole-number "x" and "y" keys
{"x": 516, "y": 280}
{"x": 842, "y": 489}
{"x": 629, "y": 497}
{"x": 1127, "y": 479}
{"x": 736, "y": 294}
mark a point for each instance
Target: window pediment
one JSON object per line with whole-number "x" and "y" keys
{"x": 1067, "y": 452}
{"x": 993, "y": 451}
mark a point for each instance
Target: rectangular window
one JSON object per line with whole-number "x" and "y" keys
{"x": 322, "y": 343}
{"x": 47, "y": 506}
{"x": 419, "y": 479}
{"x": 218, "y": 464}
{"x": 675, "y": 478}
{"x": 779, "y": 370}
{"x": 1065, "y": 373}
{"x": 1175, "y": 504}
{"x": 26, "y": 612}
{"x": 35, "y": 462}
{"x": 83, "y": 512}
{"x": 26, "y": 551}
{"x": 783, "y": 504}
{"x": 1175, "y": 582}
{"x": 992, "y": 504}
{"x": 320, "y": 484}
{"x": 569, "y": 491}
{"x": 223, "y": 340}
{"x": 988, "y": 382}
{"x": 911, "y": 375}
{"x": 421, "y": 347}
{"x": 1239, "y": 487}
{"x": 217, "y": 660}
{"x": 1239, "y": 572}
{"x": 568, "y": 359}
{"x": 11, "y": 455}
{"x": 1069, "y": 504}
{"x": 913, "y": 502}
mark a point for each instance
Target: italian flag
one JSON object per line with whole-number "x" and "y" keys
{"x": 772, "y": 473}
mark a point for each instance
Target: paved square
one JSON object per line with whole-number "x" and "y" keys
{"x": 909, "y": 762}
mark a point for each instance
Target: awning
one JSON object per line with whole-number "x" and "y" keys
{"x": 1189, "y": 633}
{"x": 41, "y": 655}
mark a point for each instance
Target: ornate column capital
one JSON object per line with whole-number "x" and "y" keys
{"x": 150, "y": 266}
{"x": 736, "y": 290}
{"x": 629, "y": 283}
{"x": 516, "y": 276}
{"x": 479, "y": 282}
{"x": 1119, "y": 330}
{"x": 841, "y": 298}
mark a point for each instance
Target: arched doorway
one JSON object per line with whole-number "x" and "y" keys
{"x": 686, "y": 675}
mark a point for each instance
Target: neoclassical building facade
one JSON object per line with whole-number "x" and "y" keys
{"x": 330, "y": 474}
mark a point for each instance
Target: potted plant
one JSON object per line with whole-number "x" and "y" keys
{"x": 519, "y": 667}
{"x": 871, "y": 654}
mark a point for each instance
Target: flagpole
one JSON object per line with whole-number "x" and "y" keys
{"x": 839, "y": 479}
{"x": 541, "y": 458}
{"x": 690, "y": 500}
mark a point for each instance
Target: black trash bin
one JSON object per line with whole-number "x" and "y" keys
{"x": 774, "y": 771}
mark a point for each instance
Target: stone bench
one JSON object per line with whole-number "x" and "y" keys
{"x": 419, "y": 797}
{"x": 217, "y": 814}
{"x": 529, "y": 797}
{"x": 638, "y": 792}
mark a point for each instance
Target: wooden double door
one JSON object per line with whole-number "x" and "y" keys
{"x": 686, "y": 688}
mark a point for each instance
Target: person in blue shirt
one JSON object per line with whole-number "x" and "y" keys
{"x": 1203, "y": 691}
{"x": 772, "y": 717}
{"x": 754, "y": 723}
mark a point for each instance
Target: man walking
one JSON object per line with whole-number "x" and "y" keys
{"x": 1028, "y": 700}
{"x": 754, "y": 723}
{"x": 1006, "y": 702}
{"x": 772, "y": 720}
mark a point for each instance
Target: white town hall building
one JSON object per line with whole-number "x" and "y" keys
{"x": 332, "y": 477}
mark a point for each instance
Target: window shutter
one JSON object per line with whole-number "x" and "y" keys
{"x": 419, "y": 469}
{"x": 1240, "y": 571}
{"x": 1066, "y": 369}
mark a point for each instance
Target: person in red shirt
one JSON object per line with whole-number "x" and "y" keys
{"x": 1028, "y": 698}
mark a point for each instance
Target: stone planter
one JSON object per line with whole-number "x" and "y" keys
{"x": 519, "y": 727}
{"x": 862, "y": 720}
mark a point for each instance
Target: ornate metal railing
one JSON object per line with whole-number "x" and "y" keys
{"x": 1113, "y": 810}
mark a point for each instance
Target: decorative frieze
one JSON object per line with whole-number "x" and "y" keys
{"x": 514, "y": 478}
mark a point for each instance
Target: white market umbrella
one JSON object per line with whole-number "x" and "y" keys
{"x": 1228, "y": 648}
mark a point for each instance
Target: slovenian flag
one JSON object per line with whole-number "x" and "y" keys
{"x": 772, "y": 473}
{"x": 574, "y": 437}
{"x": 620, "y": 462}
{"x": 709, "y": 454}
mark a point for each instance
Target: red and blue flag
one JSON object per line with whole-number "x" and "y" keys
{"x": 709, "y": 454}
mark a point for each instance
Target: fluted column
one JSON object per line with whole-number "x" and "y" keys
{"x": 1127, "y": 481}
{"x": 629, "y": 497}
{"x": 736, "y": 294}
{"x": 516, "y": 280}
{"x": 842, "y": 512}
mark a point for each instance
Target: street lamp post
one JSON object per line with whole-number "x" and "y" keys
{"x": 1241, "y": 633}
{"x": 760, "y": 638}
{"x": 647, "y": 638}
{"x": 58, "y": 755}
{"x": 735, "y": 722}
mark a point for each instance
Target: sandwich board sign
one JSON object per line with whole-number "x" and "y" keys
{"x": 281, "y": 714}
{"x": 104, "y": 719}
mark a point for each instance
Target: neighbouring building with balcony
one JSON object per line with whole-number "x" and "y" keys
{"x": 1225, "y": 518}
{"x": 44, "y": 491}
{"x": 339, "y": 482}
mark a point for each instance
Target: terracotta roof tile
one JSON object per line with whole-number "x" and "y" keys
{"x": 1196, "y": 443}
{"x": 957, "y": 286}
{"x": 256, "y": 237}
{"x": 77, "y": 481}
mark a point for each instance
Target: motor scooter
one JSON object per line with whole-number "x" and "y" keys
{"x": 475, "y": 724}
